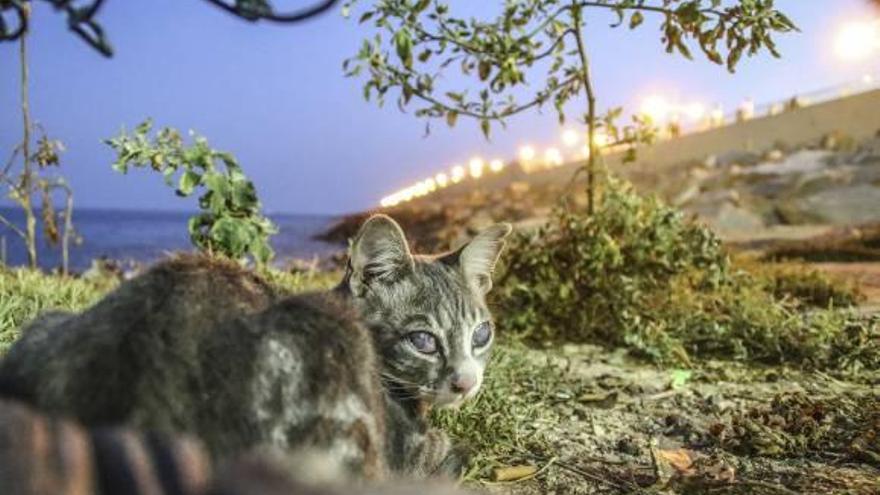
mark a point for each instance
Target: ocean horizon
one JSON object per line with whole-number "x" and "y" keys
{"x": 143, "y": 236}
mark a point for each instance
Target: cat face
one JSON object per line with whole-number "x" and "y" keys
{"x": 428, "y": 314}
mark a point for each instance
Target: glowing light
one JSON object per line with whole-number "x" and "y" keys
{"x": 656, "y": 108}
{"x": 457, "y": 174}
{"x": 585, "y": 152}
{"x": 496, "y": 166}
{"x": 553, "y": 157}
{"x": 420, "y": 189}
{"x": 600, "y": 139}
{"x": 717, "y": 116}
{"x": 432, "y": 185}
{"x": 857, "y": 41}
{"x": 441, "y": 179}
{"x": 527, "y": 153}
{"x": 476, "y": 167}
{"x": 747, "y": 109}
{"x": 571, "y": 138}
{"x": 868, "y": 79}
{"x": 695, "y": 111}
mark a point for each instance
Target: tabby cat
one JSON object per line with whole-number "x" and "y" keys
{"x": 204, "y": 347}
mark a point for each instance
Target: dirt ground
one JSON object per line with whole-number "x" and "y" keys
{"x": 864, "y": 275}
{"x": 620, "y": 426}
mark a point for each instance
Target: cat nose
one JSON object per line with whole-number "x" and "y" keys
{"x": 462, "y": 383}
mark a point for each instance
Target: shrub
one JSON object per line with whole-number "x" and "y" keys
{"x": 230, "y": 223}
{"x": 638, "y": 274}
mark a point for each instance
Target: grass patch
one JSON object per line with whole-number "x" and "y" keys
{"x": 25, "y": 293}
{"x": 640, "y": 275}
{"x": 803, "y": 285}
{"x": 510, "y": 416}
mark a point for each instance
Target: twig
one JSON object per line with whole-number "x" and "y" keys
{"x": 12, "y": 227}
{"x": 617, "y": 483}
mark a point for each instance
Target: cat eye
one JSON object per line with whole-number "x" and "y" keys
{"x": 424, "y": 342}
{"x": 482, "y": 334}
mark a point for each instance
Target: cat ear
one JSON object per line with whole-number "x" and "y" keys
{"x": 379, "y": 253}
{"x": 478, "y": 257}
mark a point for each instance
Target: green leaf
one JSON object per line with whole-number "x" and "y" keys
{"x": 403, "y": 44}
{"x": 484, "y": 69}
{"x": 636, "y": 20}
{"x": 451, "y": 118}
{"x": 188, "y": 182}
{"x": 485, "y": 126}
{"x": 680, "y": 378}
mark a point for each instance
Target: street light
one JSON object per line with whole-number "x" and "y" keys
{"x": 570, "y": 138}
{"x": 552, "y": 157}
{"x": 457, "y": 174}
{"x": 656, "y": 108}
{"x": 476, "y": 167}
{"x": 441, "y": 179}
{"x": 527, "y": 153}
{"x": 858, "y": 40}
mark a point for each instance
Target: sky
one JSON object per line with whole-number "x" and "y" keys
{"x": 275, "y": 96}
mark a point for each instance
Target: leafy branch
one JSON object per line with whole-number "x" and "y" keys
{"x": 230, "y": 222}
{"x": 416, "y": 42}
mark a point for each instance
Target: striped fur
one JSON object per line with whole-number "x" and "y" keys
{"x": 40, "y": 455}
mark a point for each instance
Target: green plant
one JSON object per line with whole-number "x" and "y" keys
{"x": 537, "y": 43}
{"x": 230, "y": 223}
{"x": 638, "y": 274}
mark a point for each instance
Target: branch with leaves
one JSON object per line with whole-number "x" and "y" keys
{"x": 230, "y": 223}
{"x": 416, "y": 43}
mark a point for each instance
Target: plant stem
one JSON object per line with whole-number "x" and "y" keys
{"x": 591, "y": 107}
{"x": 26, "y": 179}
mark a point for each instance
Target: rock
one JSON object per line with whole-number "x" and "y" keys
{"x": 687, "y": 195}
{"x": 774, "y": 155}
{"x": 519, "y": 188}
{"x": 731, "y": 218}
{"x": 711, "y": 161}
{"x": 845, "y": 205}
{"x": 798, "y": 162}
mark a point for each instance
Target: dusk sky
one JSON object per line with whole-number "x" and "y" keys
{"x": 275, "y": 96}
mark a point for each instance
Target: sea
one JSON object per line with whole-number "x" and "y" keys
{"x": 131, "y": 236}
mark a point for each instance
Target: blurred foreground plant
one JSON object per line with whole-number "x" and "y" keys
{"x": 230, "y": 223}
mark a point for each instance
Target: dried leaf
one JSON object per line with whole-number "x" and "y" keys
{"x": 513, "y": 473}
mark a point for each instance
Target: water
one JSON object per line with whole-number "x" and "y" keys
{"x": 145, "y": 236}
